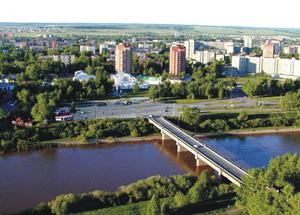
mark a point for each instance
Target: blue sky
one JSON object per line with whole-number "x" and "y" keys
{"x": 258, "y": 13}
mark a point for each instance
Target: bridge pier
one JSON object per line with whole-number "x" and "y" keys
{"x": 203, "y": 155}
{"x": 199, "y": 162}
{"x": 219, "y": 174}
{"x": 180, "y": 148}
{"x": 163, "y": 136}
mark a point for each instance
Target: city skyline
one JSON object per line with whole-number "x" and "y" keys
{"x": 212, "y": 13}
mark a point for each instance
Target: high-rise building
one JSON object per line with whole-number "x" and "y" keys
{"x": 190, "y": 48}
{"x": 123, "y": 58}
{"x": 177, "y": 59}
{"x": 248, "y": 42}
{"x": 268, "y": 50}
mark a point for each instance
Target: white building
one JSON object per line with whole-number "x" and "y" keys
{"x": 85, "y": 48}
{"x": 207, "y": 56}
{"x": 290, "y": 50}
{"x": 65, "y": 59}
{"x": 248, "y": 41}
{"x": 190, "y": 48}
{"x": 82, "y": 76}
{"x": 125, "y": 81}
{"x": 145, "y": 46}
{"x": 240, "y": 63}
{"x": 275, "y": 67}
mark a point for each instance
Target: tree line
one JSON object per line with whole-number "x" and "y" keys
{"x": 265, "y": 86}
{"x": 182, "y": 189}
{"x": 25, "y": 139}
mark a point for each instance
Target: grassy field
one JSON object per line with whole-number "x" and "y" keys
{"x": 66, "y": 30}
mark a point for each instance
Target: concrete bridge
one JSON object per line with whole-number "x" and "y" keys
{"x": 202, "y": 152}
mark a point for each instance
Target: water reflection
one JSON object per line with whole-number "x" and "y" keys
{"x": 31, "y": 177}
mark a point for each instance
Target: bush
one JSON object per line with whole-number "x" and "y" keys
{"x": 181, "y": 200}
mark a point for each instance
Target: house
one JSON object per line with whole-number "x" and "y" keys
{"x": 22, "y": 123}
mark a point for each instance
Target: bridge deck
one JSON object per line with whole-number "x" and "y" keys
{"x": 217, "y": 159}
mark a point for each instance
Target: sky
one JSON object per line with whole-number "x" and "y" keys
{"x": 256, "y": 13}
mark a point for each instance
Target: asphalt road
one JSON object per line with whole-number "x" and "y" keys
{"x": 143, "y": 107}
{"x": 204, "y": 150}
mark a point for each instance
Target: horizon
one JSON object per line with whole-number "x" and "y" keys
{"x": 145, "y": 23}
{"x": 191, "y": 12}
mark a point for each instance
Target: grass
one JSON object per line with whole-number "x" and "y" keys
{"x": 187, "y": 101}
{"x": 229, "y": 102}
{"x": 139, "y": 208}
{"x": 184, "y": 101}
{"x": 65, "y": 141}
{"x": 223, "y": 211}
{"x": 143, "y": 93}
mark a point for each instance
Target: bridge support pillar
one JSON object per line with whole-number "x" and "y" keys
{"x": 199, "y": 162}
{"x": 163, "y": 136}
{"x": 219, "y": 171}
{"x": 180, "y": 148}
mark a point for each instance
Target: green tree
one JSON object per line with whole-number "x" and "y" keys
{"x": 62, "y": 204}
{"x": 135, "y": 88}
{"x": 153, "y": 207}
{"x": 291, "y": 101}
{"x": 274, "y": 190}
{"x": 41, "y": 110}
{"x": 181, "y": 200}
{"x": 153, "y": 92}
{"x": 73, "y": 107}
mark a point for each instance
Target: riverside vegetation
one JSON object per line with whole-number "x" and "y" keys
{"x": 265, "y": 191}
{"x": 40, "y": 136}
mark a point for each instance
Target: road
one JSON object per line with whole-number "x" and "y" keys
{"x": 143, "y": 107}
{"x": 224, "y": 164}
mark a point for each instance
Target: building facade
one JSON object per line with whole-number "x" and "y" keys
{"x": 88, "y": 49}
{"x": 248, "y": 41}
{"x": 275, "y": 67}
{"x": 268, "y": 50}
{"x": 177, "y": 59}
{"x": 123, "y": 58}
{"x": 190, "y": 48}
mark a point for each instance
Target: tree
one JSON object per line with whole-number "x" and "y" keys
{"x": 274, "y": 190}
{"x": 153, "y": 207}
{"x": 291, "y": 101}
{"x": 41, "y": 110}
{"x": 3, "y": 114}
{"x": 62, "y": 204}
{"x": 201, "y": 189}
{"x": 181, "y": 200}
{"x": 153, "y": 92}
{"x": 25, "y": 100}
{"x": 135, "y": 88}
{"x": 191, "y": 116}
{"x": 73, "y": 107}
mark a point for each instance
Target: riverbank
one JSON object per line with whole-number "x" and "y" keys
{"x": 157, "y": 137}
{"x": 251, "y": 131}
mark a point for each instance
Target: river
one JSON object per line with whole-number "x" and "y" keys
{"x": 32, "y": 177}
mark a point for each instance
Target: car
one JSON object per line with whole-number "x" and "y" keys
{"x": 195, "y": 146}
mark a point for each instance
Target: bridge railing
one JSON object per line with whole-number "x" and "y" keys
{"x": 215, "y": 153}
{"x": 210, "y": 149}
